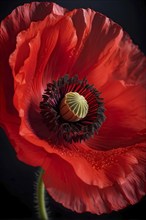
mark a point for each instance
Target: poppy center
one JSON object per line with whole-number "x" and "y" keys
{"x": 72, "y": 110}
{"x": 74, "y": 107}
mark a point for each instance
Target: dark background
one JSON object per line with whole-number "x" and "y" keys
{"x": 17, "y": 179}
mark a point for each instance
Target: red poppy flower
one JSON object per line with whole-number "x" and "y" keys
{"x": 95, "y": 163}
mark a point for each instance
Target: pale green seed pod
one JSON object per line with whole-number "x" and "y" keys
{"x": 73, "y": 107}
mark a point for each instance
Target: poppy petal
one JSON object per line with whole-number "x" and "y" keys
{"x": 17, "y": 21}
{"x": 116, "y": 67}
{"x": 115, "y": 64}
{"x": 107, "y": 50}
{"x": 126, "y": 181}
{"x": 98, "y": 44}
{"x": 125, "y": 117}
{"x": 49, "y": 41}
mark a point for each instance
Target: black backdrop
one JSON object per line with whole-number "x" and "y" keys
{"x": 17, "y": 179}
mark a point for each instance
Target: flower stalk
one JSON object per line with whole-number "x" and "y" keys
{"x": 42, "y": 212}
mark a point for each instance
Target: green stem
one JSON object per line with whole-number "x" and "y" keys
{"x": 41, "y": 197}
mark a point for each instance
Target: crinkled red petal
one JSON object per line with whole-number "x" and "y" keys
{"x": 125, "y": 117}
{"x": 48, "y": 42}
{"x": 16, "y": 22}
{"x": 120, "y": 179}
